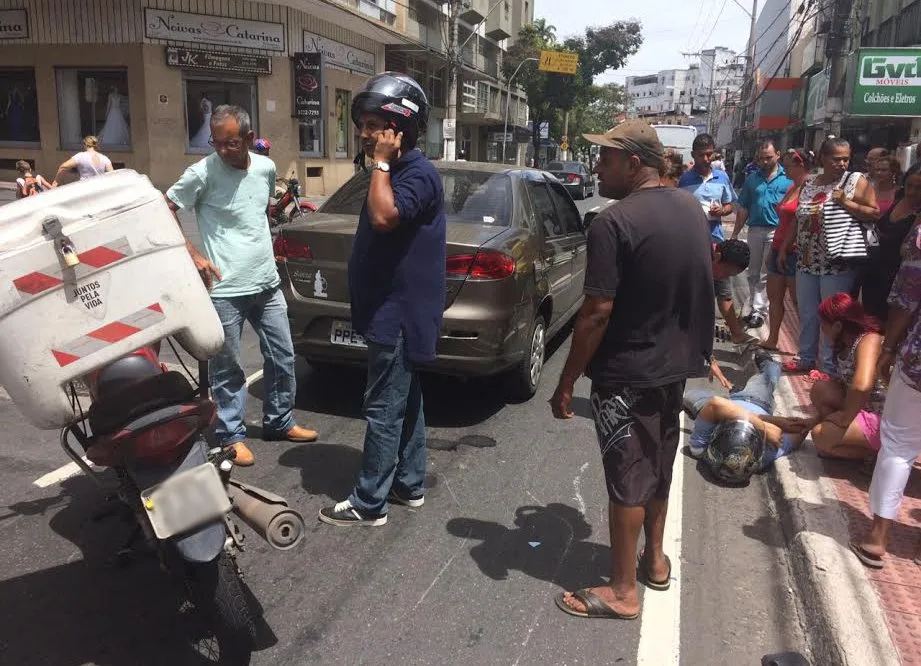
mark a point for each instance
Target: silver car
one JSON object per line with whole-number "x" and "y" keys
{"x": 516, "y": 257}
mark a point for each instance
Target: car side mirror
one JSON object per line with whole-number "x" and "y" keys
{"x": 587, "y": 220}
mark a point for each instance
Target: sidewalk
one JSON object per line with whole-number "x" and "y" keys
{"x": 891, "y": 595}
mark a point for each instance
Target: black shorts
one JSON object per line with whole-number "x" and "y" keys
{"x": 638, "y": 432}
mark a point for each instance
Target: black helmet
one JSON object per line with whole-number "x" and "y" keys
{"x": 397, "y": 98}
{"x": 735, "y": 451}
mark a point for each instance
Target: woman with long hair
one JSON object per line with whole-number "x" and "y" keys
{"x": 820, "y": 274}
{"x": 782, "y": 260}
{"x": 883, "y": 260}
{"x": 850, "y": 402}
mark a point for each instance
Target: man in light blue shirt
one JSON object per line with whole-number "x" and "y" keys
{"x": 762, "y": 191}
{"x": 229, "y": 191}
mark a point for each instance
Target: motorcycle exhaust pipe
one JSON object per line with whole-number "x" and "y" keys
{"x": 268, "y": 514}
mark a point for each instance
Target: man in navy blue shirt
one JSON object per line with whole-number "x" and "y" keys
{"x": 397, "y": 291}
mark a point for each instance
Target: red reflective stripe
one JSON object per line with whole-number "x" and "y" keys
{"x": 113, "y": 332}
{"x": 63, "y": 358}
{"x": 100, "y": 256}
{"x": 36, "y": 283}
{"x": 155, "y": 307}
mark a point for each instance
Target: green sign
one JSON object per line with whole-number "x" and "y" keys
{"x": 886, "y": 82}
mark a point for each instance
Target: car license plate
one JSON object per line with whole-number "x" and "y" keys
{"x": 186, "y": 501}
{"x": 342, "y": 333}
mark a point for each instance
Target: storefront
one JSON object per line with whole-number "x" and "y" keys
{"x": 883, "y": 106}
{"x": 146, "y": 79}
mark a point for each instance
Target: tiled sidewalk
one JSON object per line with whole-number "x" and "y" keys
{"x": 898, "y": 584}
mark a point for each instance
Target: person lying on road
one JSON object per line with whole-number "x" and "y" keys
{"x": 729, "y": 258}
{"x": 738, "y": 436}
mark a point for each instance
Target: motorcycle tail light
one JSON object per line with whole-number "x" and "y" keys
{"x": 162, "y": 442}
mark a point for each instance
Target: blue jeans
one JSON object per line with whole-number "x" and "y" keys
{"x": 810, "y": 291}
{"x": 267, "y": 313}
{"x": 758, "y": 391}
{"x": 394, "y": 450}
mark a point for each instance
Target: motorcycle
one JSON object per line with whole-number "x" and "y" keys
{"x": 289, "y": 207}
{"x": 148, "y": 424}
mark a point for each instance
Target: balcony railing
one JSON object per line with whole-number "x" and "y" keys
{"x": 379, "y": 10}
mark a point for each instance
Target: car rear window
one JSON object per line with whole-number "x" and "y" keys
{"x": 473, "y": 197}
{"x": 568, "y": 167}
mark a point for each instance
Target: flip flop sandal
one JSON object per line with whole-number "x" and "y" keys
{"x": 797, "y": 367}
{"x": 595, "y": 606}
{"x": 658, "y": 585}
{"x": 866, "y": 558}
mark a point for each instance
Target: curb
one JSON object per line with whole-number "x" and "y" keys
{"x": 843, "y": 617}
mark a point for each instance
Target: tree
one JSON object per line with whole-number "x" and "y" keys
{"x": 600, "y": 49}
{"x": 598, "y": 114}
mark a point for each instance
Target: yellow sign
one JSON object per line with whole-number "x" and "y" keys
{"x": 559, "y": 62}
{"x": 564, "y": 146}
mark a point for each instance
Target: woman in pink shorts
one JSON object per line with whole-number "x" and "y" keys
{"x": 850, "y": 403}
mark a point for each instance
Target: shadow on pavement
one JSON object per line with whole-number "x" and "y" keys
{"x": 326, "y": 469}
{"x": 88, "y": 611}
{"x": 547, "y": 543}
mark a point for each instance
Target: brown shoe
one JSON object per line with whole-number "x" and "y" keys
{"x": 294, "y": 434}
{"x": 244, "y": 457}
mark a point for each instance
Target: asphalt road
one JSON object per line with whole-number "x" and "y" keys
{"x": 515, "y": 513}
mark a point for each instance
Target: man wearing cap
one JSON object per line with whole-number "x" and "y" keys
{"x": 645, "y": 327}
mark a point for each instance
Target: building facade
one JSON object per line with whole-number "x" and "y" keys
{"x": 145, "y": 75}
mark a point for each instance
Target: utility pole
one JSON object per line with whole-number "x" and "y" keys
{"x": 454, "y": 60}
{"x": 836, "y": 50}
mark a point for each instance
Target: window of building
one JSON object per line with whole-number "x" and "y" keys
{"x": 310, "y": 135}
{"x": 470, "y": 93}
{"x": 436, "y": 91}
{"x": 203, "y": 95}
{"x": 482, "y": 96}
{"x": 94, "y": 102}
{"x": 18, "y": 107}
{"x": 343, "y": 106}
{"x": 415, "y": 67}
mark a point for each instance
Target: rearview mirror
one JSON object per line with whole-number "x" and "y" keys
{"x": 587, "y": 220}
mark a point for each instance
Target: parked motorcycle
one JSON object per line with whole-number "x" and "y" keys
{"x": 148, "y": 424}
{"x": 289, "y": 207}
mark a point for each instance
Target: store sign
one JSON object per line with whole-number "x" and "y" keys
{"x": 14, "y": 24}
{"x": 816, "y": 97}
{"x": 218, "y": 62}
{"x": 308, "y": 85}
{"x": 207, "y": 29}
{"x": 339, "y": 54}
{"x": 887, "y": 83}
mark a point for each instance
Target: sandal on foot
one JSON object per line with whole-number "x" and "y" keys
{"x": 658, "y": 585}
{"x": 595, "y": 606}
{"x": 797, "y": 367}
{"x": 868, "y": 559}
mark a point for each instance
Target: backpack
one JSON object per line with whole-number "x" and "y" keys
{"x": 30, "y": 185}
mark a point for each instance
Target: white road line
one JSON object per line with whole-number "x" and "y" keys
{"x": 71, "y": 469}
{"x": 660, "y": 628}
{"x": 592, "y": 210}
{"x": 58, "y": 475}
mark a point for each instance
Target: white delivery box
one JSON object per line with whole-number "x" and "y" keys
{"x": 132, "y": 283}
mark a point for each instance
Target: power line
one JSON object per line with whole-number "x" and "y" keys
{"x": 713, "y": 27}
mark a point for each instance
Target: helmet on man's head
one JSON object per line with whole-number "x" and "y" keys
{"x": 262, "y": 146}
{"x": 399, "y": 100}
{"x": 734, "y": 452}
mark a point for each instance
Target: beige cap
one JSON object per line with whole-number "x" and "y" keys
{"x": 635, "y": 137}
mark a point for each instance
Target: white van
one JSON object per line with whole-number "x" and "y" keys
{"x": 678, "y": 137}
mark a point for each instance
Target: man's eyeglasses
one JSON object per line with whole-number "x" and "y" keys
{"x": 233, "y": 144}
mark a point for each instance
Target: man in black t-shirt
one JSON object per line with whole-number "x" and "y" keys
{"x": 645, "y": 327}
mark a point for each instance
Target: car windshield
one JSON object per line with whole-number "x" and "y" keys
{"x": 472, "y": 197}
{"x": 566, "y": 167}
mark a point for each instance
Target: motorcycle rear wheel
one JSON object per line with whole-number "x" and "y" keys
{"x": 216, "y": 590}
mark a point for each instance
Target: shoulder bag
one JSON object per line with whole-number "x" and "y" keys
{"x": 845, "y": 237}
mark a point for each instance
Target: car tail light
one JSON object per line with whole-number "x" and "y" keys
{"x": 291, "y": 248}
{"x": 573, "y": 178}
{"x": 484, "y": 265}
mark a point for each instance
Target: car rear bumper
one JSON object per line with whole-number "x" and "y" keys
{"x": 475, "y": 342}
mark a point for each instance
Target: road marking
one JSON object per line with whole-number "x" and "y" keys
{"x": 592, "y": 210}
{"x": 255, "y": 377}
{"x": 60, "y": 474}
{"x": 660, "y": 628}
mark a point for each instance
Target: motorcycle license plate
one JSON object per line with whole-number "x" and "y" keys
{"x": 186, "y": 501}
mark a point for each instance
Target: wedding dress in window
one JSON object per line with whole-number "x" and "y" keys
{"x": 115, "y": 131}
{"x": 201, "y": 137}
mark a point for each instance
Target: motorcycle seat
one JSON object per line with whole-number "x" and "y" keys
{"x": 117, "y": 409}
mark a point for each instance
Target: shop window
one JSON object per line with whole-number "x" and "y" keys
{"x": 203, "y": 95}
{"x": 311, "y": 137}
{"x": 343, "y": 110}
{"x": 18, "y": 107}
{"x": 94, "y": 102}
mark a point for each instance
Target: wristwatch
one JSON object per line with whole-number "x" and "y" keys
{"x": 382, "y": 166}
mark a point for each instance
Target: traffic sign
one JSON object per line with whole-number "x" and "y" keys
{"x": 560, "y": 62}
{"x": 564, "y": 146}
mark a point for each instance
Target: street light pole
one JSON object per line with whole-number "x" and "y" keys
{"x": 508, "y": 101}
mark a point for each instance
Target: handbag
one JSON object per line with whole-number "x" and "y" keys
{"x": 845, "y": 237}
